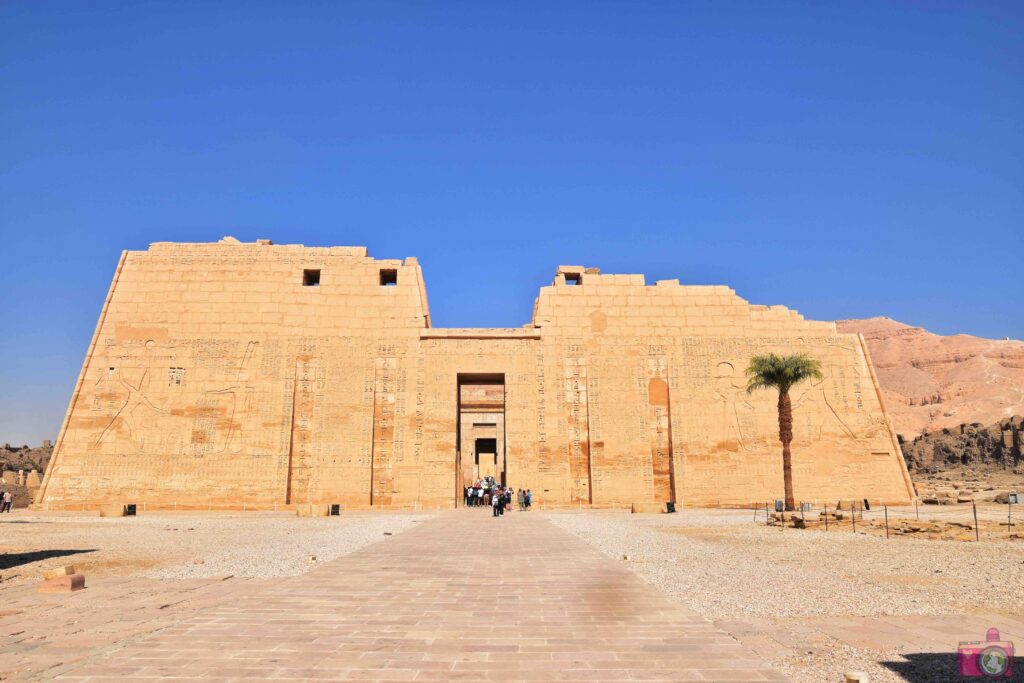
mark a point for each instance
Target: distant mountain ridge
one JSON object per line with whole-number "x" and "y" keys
{"x": 931, "y": 382}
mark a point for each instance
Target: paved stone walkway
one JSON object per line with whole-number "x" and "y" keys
{"x": 462, "y": 597}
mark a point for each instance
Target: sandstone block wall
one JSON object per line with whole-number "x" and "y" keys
{"x": 280, "y": 374}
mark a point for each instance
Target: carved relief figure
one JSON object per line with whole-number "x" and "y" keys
{"x": 737, "y": 423}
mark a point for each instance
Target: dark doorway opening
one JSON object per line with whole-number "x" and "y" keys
{"x": 486, "y": 456}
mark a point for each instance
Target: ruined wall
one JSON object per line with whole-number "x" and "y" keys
{"x": 219, "y": 374}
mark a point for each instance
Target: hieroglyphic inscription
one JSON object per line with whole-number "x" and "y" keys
{"x": 301, "y": 458}
{"x": 543, "y": 460}
{"x": 595, "y": 431}
{"x": 420, "y": 415}
{"x": 384, "y": 418}
{"x": 575, "y": 392}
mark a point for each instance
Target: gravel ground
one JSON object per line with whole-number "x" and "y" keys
{"x": 186, "y": 546}
{"x": 722, "y": 565}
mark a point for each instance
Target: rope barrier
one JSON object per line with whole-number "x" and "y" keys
{"x": 965, "y": 514}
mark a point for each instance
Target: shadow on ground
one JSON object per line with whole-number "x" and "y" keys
{"x": 9, "y": 561}
{"x": 23, "y": 521}
{"x": 940, "y": 667}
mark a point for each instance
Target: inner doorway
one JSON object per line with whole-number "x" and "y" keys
{"x": 480, "y": 431}
{"x": 486, "y": 459}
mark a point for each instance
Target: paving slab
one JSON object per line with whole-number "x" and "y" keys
{"x": 904, "y": 647}
{"x": 41, "y": 635}
{"x": 463, "y": 596}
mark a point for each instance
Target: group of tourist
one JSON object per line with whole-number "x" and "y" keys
{"x": 6, "y": 499}
{"x": 486, "y": 493}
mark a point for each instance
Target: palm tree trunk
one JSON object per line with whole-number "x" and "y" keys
{"x": 786, "y": 437}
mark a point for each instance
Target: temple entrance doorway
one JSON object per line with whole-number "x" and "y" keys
{"x": 480, "y": 432}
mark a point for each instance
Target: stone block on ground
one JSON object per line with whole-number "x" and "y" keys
{"x": 313, "y": 510}
{"x": 112, "y": 510}
{"x": 63, "y": 584}
{"x": 647, "y": 508}
{"x": 808, "y": 523}
{"x": 66, "y": 570}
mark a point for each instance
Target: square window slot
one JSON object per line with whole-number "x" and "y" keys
{"x": 573, "y": 278}
{"x": 388, "y": 277}
{"x": 311, "y": 278}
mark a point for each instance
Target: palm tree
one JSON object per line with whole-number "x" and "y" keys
{"x": 782, "y": 372}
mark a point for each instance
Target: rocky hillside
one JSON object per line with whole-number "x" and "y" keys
{"x": 997, "y": 446}
{"x": 26, "y": 458}
{"x": 969, "y": 462}
{"x": 931, "y": 382}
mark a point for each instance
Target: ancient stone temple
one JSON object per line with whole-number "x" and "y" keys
{"x": 269, "y": 375}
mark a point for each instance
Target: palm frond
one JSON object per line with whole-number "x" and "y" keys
{"x": 781, "y": 372}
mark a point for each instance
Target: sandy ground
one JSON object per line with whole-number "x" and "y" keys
{"x": 726, "y": 567}
{"x": 185, "y": 546}
{"x": 781, "y": 590}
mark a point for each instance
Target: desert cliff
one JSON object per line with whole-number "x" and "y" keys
{"x": 931, "y": 382}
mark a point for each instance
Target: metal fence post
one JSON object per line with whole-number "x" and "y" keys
{"x": 977, "y": 534}
{"x": 886, "y": 508}
{"x": 826, "y": 516}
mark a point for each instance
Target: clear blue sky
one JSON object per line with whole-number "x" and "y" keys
{"x": 846, "y": 159}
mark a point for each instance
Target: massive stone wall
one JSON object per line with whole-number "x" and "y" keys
{"x": 278, "y": 374}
